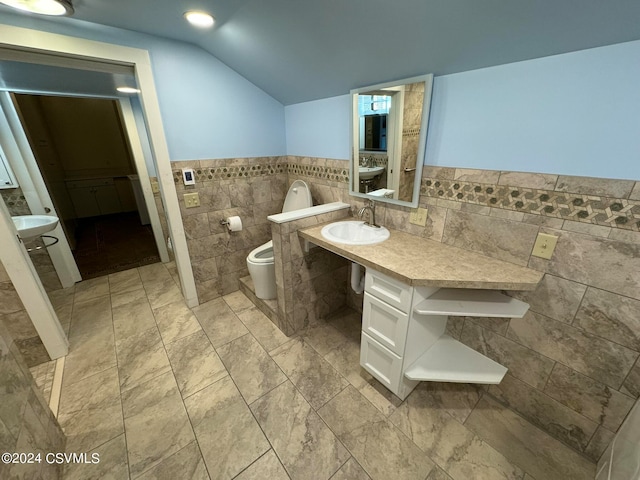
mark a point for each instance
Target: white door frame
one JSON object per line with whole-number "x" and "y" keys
{"x": 66, "y": 46}
{"x": 131, "y": 130}
{"x": 20, "y": 156}
{"x": 25, "y": 280}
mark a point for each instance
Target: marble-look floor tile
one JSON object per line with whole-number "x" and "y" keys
{"x": 90, "y": 315}
{"x": 316, "y": 379}
{"x": 229, "y": 436}
{"x": 542, "y": 410}
{"x": 351, "y": 470}
{"x": 307, "y": 448}
{"x": 90, "y": 289}
{"x": 323, "y": 337}
{"x": 153, "y": 273}
{"x": 90, "y": 411}
{"x": 175, "y": 320}
{"x": 382, "y": 450}
{"x": 456, "y": 449}
{"x": 195, "y": 363}
{"x": 592, "y": 399}
{"x": 89, "y": 354}
{"x": 185, "y": 464}
{"x": 267, "y": 466}
{"x": 251, "y": 368}
{"x": 238, "y": 301}
{"x": 141, "y": 357}
{"x": 539, "y": 454}
{"x": 126, "y": 281}
{"x": 346, "y": 360}
{"x": 163, "y": 292}
{"x": 156, "y": 422}
{"x": 262, "y": 328}
{"x": 113, "y": 463}
{"x": 131, "y": 313}
{"x": 219, "y": 322}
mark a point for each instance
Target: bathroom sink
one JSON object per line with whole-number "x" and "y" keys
{"x": 354, "y": 233}
{"x": 366, "y": 173}
{"x": 32, "y": 226}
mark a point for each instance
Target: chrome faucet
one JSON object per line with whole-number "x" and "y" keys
{"x": 371, "y": 206}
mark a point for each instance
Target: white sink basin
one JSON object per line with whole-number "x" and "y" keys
{"x": 354, "y": 233}
{"x": 366, "y": 173}
{"x": 32, "y": 226}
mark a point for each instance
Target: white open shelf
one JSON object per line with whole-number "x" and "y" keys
{"x": 464, "y": 302}
{"x": 448, "y": 360}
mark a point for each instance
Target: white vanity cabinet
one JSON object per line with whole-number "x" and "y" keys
{"x": 403, "y": 333}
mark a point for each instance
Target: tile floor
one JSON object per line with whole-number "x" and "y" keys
{"x": 163, "y": 391}
{"x": 113, "y": 243}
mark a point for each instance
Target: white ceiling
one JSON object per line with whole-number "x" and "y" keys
{"x": 300, "y": 50}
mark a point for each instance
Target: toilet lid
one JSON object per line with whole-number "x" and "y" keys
{"x": 298, "y": 196}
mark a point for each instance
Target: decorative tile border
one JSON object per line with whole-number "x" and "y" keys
{"x": 232, "y": 172}
{"x": 597, "y": 210}
{"x": 333, "y": 174}
{"x": 15, "y": 201}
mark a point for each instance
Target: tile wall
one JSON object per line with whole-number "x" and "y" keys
{"x": 573, "y": 359}
{"x": 250, "y": 188}
{"x": 310, "y": 285}
{"x": 26, "y": 422}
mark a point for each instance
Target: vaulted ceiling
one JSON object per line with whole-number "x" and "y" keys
{"x": 300, "y": 50}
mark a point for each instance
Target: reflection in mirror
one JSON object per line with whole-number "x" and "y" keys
{"x": 389, "y": 127}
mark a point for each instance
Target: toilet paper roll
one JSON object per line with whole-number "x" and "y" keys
{"x": 234, "y": 224}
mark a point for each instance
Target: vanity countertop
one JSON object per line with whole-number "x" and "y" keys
{"x": 418, "y": 261}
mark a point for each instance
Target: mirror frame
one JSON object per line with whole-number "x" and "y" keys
{"x": 422, "y": 142}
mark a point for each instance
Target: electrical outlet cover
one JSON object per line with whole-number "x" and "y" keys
{"x": 418, "y": 216}
{"x": 544, "y": 246}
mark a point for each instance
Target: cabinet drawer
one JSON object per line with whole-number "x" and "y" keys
{"x": 384, "y": 323}
{"x": 387, "y": 289}
{"x": 380, "y": 362}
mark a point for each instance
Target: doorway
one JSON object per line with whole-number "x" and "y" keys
{"x": 81, "y": 149}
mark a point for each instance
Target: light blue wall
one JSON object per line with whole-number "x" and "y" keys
{"x": 574, "y": 114}
{"x": 319, "y": 128}
{"x": 208, "y": 110}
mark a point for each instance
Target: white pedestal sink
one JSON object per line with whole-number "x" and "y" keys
{"x": 366, "y": 173}
{"x": 354, "y": 232}
{"x": 32, "y": 226}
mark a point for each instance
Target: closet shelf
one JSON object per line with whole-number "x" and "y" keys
{"x": 448, "y": 360}
{"x": 464, "y": 302}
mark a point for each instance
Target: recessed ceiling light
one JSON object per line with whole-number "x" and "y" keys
{"x": 199, "y": 19}
{"x": 128, "y": 90}
{"x": 43, "y": 7}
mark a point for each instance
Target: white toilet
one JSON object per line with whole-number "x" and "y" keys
{"x": 260, "y": 261}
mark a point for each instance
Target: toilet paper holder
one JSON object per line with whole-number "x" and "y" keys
{"x": 224, "y": 222}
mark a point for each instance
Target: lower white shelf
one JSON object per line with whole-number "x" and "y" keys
{"x": 448, "y": 360}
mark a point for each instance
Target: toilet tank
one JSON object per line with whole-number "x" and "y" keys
{"x": 298, "y": 196}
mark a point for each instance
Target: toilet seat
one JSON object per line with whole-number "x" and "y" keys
{"x": 262, "y": 254}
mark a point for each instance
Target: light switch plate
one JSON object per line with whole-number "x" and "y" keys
{"x": 191, "y": 200}
{"x": 155, "y": 187}
{"x": 418, "y": 216}
{"x": 544, "y": 246}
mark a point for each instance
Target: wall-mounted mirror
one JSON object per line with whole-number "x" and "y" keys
{"x": 388, "y": 135}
